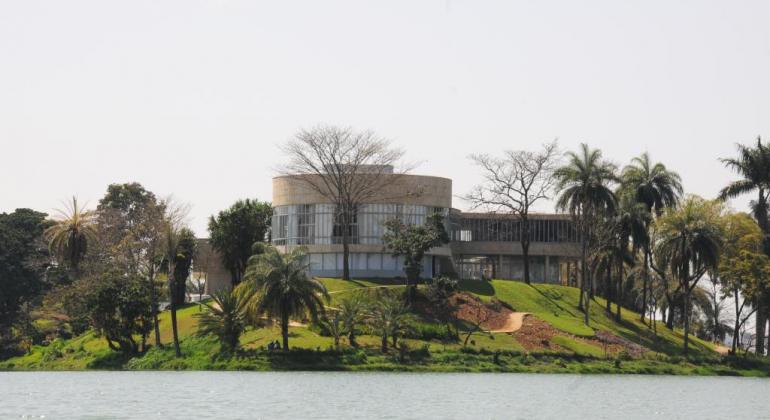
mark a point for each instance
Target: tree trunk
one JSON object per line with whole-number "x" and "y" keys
{"x": 645, "y": 280}
{"x": 285, "y": 330}
{"x": 759, "y": 345}
{"x": 608, "y": 287}
{"x": 525, "y": 246}
{"x": 346, "y": 245}
{"x": 154, "y": 303}
{"x": 686, "y": 322}
{"x": 352, "y": 339}
{"x": 619, "y": 295}
{"x": 583, "y": 276}
{"x": 761, "y": 320}
{"x": 384, "y": 344}
{"x": 174, "y": 330}
{"x": 737, "y": 330}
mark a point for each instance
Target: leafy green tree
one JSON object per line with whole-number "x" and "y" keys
{"x": 439, "y": 293}
{"x": 132, "y": 222}
{"x": 68, "y": 237}
{"x": 226, "y": 317}
{"x": 743, "y": 269}
{"x": 691, "y": 237}
{"x": 657, "y": 188}
{"x": 753, "y": 165}
{"x": 114, "y": 305}
{"x": 24, "y": 259}
{"x": 234, "y": 231}
{"x": 389, "y": 316}
{"x": 412, "y": 242}
{"x": 583, "y": 185}
{"x": 282, "y": 288}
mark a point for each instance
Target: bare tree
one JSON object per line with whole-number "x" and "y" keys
{"x": 513, "y": 184}
{"x": 348, "y": 168}
{"x": 478, "y": 314}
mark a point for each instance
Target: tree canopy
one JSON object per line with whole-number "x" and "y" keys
{"x": 234, "y": 231}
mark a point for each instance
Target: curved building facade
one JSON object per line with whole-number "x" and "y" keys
{"x": 482, "y": 245}
{"x": 304, "y": 217}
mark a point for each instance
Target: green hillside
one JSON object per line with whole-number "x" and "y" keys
{"x": 573, "y": 349}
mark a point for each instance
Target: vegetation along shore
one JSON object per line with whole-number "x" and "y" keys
{"x": 662, "y": 282}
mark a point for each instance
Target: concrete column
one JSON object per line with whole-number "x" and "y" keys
{"x": 500, "y": 266}
{"x": 545, "y": 275}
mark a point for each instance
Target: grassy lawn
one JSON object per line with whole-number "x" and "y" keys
{"x": 553, "y": 304}
{"x": 557, "y": 305}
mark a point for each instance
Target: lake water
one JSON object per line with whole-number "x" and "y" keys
{"x": 250, "y": 395}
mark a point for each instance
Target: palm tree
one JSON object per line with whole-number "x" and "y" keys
{"x": 691, "y": 238}
{"x": 68, "y": 238}
{"x": 225, "y": 318}
{"x": 753, "y": 165}
{"x": 583, "y": 187}
{"x": 657, "y": 188}
{"x": 334, "y": 327}
{"x": 353, "y": 313}
{"x": 282, "y": 287}
{"x": 631, "y": 228}
{"x": 171, "y": 249}
{"x": 389, "y": 316}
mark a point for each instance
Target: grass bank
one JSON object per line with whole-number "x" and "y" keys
{"x": 573, "y": 349}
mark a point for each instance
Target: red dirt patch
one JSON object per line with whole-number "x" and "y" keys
{"x": 493, "y": 315}
{"x": 537, "y": 335}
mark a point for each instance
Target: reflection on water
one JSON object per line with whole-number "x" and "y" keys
{"x": 306, "y": 395}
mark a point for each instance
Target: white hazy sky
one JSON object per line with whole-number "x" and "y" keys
{"x": 193, "y": 97}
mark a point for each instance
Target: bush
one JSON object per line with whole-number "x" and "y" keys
{"x": 357, "y": 357}
{"x": 425, "y": 331}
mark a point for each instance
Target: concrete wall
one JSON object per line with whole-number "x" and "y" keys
{"x": 208, "y": 260}
{"x": 399, "y": 189}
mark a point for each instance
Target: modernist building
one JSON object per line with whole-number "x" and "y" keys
{"x": 483, "y": 245}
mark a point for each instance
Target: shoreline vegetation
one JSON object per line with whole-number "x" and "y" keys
{"x": 572, "y": 347}
{"x": 84, "y": 289}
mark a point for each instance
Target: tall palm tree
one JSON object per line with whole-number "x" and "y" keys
{"x": 657, "y": 188}
{"x": 584, "y": 190}
{"x": 691, "y": 238}
{"x": 632, "y": 222}
{"x": 68, "y": 238}
{"x": 171, "y": 250}
{"x": 283, "y": 288}
{"x": 753, "y": 165}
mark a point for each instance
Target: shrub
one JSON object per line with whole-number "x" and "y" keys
{"x": 425, "y": 331}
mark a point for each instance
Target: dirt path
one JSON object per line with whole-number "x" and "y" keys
{"x": 513, "y": 324}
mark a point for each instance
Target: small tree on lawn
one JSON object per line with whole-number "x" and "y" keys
{"x": 480, "y": 313}
{"x": 412, "y": 242}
